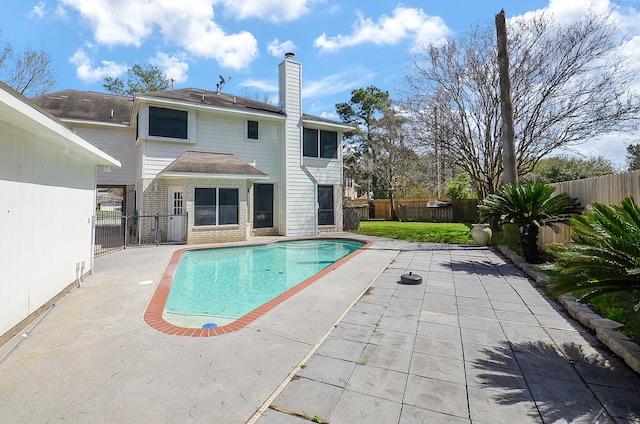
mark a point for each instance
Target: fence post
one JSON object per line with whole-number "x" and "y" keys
{"x": 157, "y": 225}
{"x": 126, "y": 231}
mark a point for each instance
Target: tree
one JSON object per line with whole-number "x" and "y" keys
{"x": 141, "y": 79}
{"x": 377, "y": 152}
{"x": 530, "y": 206}
{"x": 364, "y": 109}
{"x": 633, "y": 157}
{"x": 459, "y": 187}
{"x": 29, "y": 72}
{"x": 569, "y": 84}
{"x": 566, "y": 168}
{"x": 507, "y": 137}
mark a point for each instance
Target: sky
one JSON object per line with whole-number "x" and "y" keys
{"x": 341, "y": 44}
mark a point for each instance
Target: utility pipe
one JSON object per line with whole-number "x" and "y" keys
{"x": 26, "y": 334}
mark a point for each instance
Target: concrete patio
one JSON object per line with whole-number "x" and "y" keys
{"x": 476, "y": 342}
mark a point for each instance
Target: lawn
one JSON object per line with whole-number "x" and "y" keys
{"x": 450, "y": 233}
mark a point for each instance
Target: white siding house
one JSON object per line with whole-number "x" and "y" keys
{"x": 231, "y": 167}
{"x": 48, "y": 186}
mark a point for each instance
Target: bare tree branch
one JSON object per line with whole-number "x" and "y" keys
{"x": 570, "y": 83}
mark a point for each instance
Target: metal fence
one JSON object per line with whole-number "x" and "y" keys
{"x": 114, "y": 233}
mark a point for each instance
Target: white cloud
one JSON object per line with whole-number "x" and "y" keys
{"x": 612, "y": 146}
{"x": 389, "y": 30}
{"x": 38, "y": 11}
{"x": 188, "y": 25}
{"x": 278, "y": 49}
{"x": 336, "y": 83}
{"x": 88, "y": 73}
{"x": 260, "y": 85}
{"x": 568, "y": 11}
{"x": 273, "y": 10}
{"x": 174, "y": 67}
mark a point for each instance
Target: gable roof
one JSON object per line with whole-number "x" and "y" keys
{"x": 19, "y": 112}
{"x": 114, "y": 109}
{"x": 211, "y": 98}
{"x": 87, "y": 106}
{"x": 206, "y": 164}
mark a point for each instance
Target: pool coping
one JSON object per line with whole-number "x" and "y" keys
{"x": 153, "y": 313}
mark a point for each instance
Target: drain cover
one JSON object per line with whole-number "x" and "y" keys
{"x": 209, "y": 325}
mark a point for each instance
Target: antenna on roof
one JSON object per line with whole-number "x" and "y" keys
{"x": 221, "y": 84}
{"x": 173, "y": 84}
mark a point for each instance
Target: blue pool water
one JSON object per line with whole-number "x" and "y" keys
{"x": 218, "y": 286}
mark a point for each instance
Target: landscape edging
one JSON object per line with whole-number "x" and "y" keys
{"x": 604, "y": 328}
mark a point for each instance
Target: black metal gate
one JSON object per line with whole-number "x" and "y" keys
{"x": 113, "y": 233}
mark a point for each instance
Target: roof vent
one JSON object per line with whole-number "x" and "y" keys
{"x": 111, "y": 113}
{"x": 289, "y": 55}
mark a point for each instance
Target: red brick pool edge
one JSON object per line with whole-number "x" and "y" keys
{"x": 153, "y": 313}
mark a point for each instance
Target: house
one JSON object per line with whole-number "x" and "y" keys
{"x": 218, "y": 167}
{"x": 48, "y": 186}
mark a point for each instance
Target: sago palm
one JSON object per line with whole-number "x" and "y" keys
{"x": 530, "y": 206}
{"x": 604, "y": 253}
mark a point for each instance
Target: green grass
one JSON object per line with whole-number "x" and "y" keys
{"x": 449, "y": 233}
{"x": 619, "y": 307}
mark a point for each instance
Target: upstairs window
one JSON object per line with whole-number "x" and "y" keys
{"x": 310, "y": 143}
{"x": 169, "y": 123}
{"x": 320, "y": 143}
{"x": 252, "y": 130}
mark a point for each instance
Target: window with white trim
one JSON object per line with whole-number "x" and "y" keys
{"x": 325, "y": 205}
{"x": 262, "y": 205}
{"x": 319, "y": 143}
{"x": 170, "y": 123}
{"x": 252, "y": 130}
{"x": 216, "y": 206}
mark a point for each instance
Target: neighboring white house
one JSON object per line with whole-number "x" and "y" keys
{"x": 223, "y": 166}
{"x": 48, "y": 187}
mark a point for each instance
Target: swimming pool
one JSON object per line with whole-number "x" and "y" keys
{"x": 215, "y": 290}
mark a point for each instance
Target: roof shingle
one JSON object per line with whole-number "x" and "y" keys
{"x": 191, "y": 162}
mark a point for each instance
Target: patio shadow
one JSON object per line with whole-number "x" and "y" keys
{"x": 567, "y": 384}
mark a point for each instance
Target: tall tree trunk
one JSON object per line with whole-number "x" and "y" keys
{"x": 508, "y": 145}
{"x": 509, "y": 169}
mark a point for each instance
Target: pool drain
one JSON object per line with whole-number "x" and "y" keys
{"x": 410, "y": 278}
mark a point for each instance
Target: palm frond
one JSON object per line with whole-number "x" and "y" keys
{"x": 604, "y": 253}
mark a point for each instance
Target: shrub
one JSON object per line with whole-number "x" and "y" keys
{"x": 530, "y": 206}
{"x": 603, "y": 255}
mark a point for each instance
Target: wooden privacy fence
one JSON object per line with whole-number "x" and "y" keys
{"x": 462, "y": 210}
{"x": 426, "y": 214}
{"x": 608, "y": 189}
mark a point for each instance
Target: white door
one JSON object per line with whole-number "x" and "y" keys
{"x": 176, "y": 208}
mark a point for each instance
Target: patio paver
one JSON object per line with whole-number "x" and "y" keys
{"x": 476, "y": 342}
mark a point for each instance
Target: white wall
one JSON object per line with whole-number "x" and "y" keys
{"x": 220, "y": 133}
{"x": 120, "y": 143}
{"x": 47, "y": 199}
{"x": 299, "y": 213}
